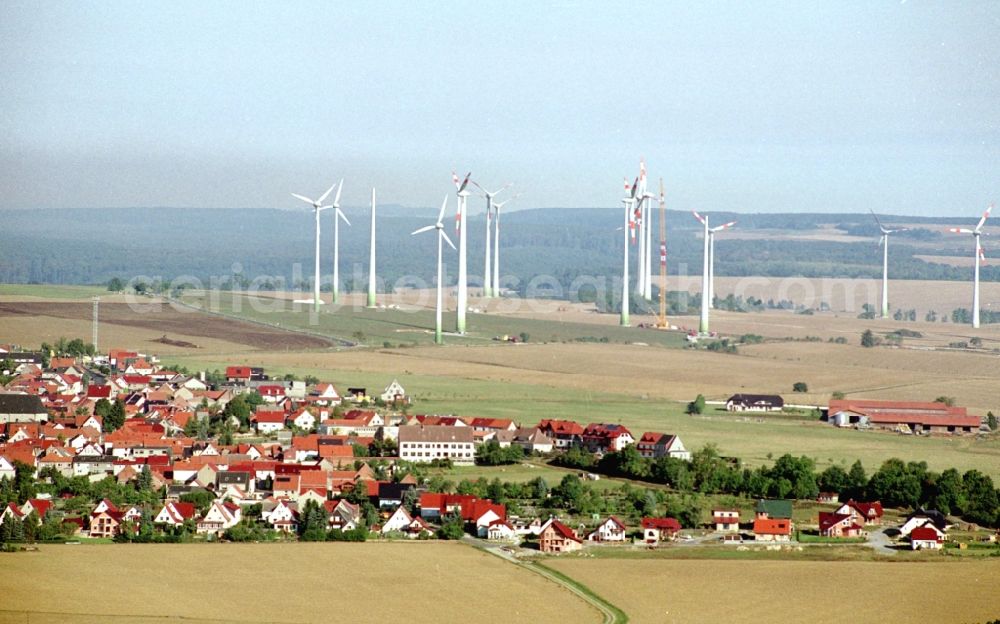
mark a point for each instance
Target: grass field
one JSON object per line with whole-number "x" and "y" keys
{"x": 50, "y": 291}
{"x": 281, "y": 583}
{"x": 695, "y": 591}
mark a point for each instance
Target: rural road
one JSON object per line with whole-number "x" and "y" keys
{"x": 880, "y": 542}
{"x": 610, "y": 613}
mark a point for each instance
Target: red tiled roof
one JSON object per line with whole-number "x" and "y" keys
{"x": 925, "y": 533}
{"x": 772, "y": 526}
{"x": 663, "y": 524}
{"x": 564, "y": 531}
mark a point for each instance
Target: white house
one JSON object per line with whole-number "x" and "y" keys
{"x": 304, "y": 419}
{"x": 726, "y": 520}
{"x": 611, "y": 530}
{"x": 500, "y": 531}
{"x": 219, "y": 517}
{"x": 923, "y": 517}
{"x": 174, "y": 514}
{"x": 268, "y": 421}
{"x": 6, "y": 468}
{"x": 424, "y": 444}
{"x": 393, "y": 392}
{"x": 926, "y": 537}
{"x": 398, "y": 521}
{"x": 280, "y": 515}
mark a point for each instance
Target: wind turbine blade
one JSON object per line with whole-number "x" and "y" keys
{"x": 342, "y": 216}
{"x": 723, "y": 227}
{"x": 336, "y": 200}
{"x": 986, "y": 214}
{"x": 426, "y": 228}
{"x": 323, "y": 197}
{"x": 465, "y": 182}
{"x": 960, "y": 231}
{"x": 444, "y": 206}
{"x": 305, "y": 199}
{"x": 880, "y": 226}
{"x": 698, "y": 216}
{"x": 448, "y": 240}
{"x": 635, "y": 187}
{"x": 454, "y": 179}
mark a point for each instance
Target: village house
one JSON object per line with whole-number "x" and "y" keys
{"x": 656, "y": 530}
{"x": 174, "y": 513}
{"x": 925, "y": 517}
{"x": 394, "y": 393}
{"x": 653, "y": 445}
{"x": 755, "y": 403}
{"x": 501, "y": 531}
{"x": 219, "y": 517}
{"x": 281, "y": 515}
{"x": 397, "y": 522}
{"x": 611, "y": 530}
{"x": 565, "y": 433}
{"x": 773, "y": 521}
{"x": 424, "y": 444}
{"x": 269, "y": 421}
{"x": 556, "y": 537}
{"x": 606, "y": 438}
{"x": 862, "y": 513}
{"x": 726, "y": 520}
{"x": 21, "y": 408}
{"x": 926, "y": 537}
{"x": 833, "y": 524}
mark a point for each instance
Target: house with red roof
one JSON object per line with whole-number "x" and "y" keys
{"x": 219, "y": 517}
{"x": 272, "y": 393}
{"x": 611, "y": 530}
{"x": 606, "y": 438}
{"x": 268, "y": 421}
{"x": 564, "y": 433}
{"x": 726, "y": 520}
{"x": 654, "y": 445}
{"x": 656, "y": 530}
{"x": 174, "y": 513}
{"x": 862, "y": 513}
{"x": 833, "y": 524}
{"x": 556, "y": 537}
{"x": 926, "y": 537}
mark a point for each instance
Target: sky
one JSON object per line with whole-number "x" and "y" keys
{"x": 750, "y": 107}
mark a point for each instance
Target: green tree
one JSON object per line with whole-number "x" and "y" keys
{"x": 868, "y": 339}
{"x": 834, "y": 479}
{"x": 800, "y": 386}
{"x": 115, "y": 418}
{"x": 452, "y": 527}
{"x": 895, "y": 484}
{"x": 991, "y": 421}
{"x": 982, "y": 502}
{"x": 697, "y": 406}
{"x": 116, "y": 284}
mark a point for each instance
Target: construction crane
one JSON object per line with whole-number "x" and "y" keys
{"x": 661, "y": 323}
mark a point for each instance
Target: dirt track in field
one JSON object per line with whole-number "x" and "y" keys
{"x": 165, "y": 320}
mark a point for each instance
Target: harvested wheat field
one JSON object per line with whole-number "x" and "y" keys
{"x": 282, "y": 583}
{"x": 663, "y": 591}
{"x": 31, "y": 322}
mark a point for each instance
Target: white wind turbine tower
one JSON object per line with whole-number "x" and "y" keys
{"x": 711, "y": 260}
{"x": 496, "y": 242}
{"x": 644, "y": 286}
{"x": 337, "y": 216}
{"x": 487, "y": 273}
{"x": 439, "y": 226}
{"x": 884, "y": 242}
{"x": 629, "y": 231}
{"x": 640, "y": 220}
{"x": 463, "y": 286}
{"x": 976, "y": 233}
{"x": 647, "y": 219}
{"x": 371, "y": 258}
{"x": 317, "y": 208}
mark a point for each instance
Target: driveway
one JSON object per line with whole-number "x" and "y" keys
{"x": 880, "y": 542}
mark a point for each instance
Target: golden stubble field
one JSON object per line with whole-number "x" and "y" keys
{"x": 297, "y": 582}
{"x": 682, "y": 374}
{"x": 662, "y": 591}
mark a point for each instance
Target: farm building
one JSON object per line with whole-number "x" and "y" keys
{"x": 22, "y": 408}
{"x": 755, "y": 403}
{"x": 917, "y": 417}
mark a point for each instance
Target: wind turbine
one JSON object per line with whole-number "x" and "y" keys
{"x": 337, "y": 216}
{"x": 439, "y": 226}
{"x": 642, "y": 216}
{"x": 463, "y": 286}
{"x": 371, "y": 258}
{"x": 629, "y": 230}
{"x": 976, "y": 233}
{"x": 496, "y": 242}
{"x": 711, "y": 260}
{"x": 884, "y": 242}
{"x": 647, "y": 284}
{"x": 487, "y": 273}
{"x": 318, "y": 207}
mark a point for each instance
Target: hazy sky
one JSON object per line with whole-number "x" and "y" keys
{"x": 793, "y": 106}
